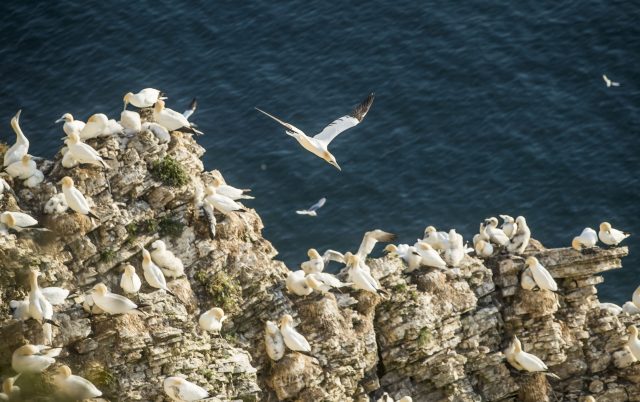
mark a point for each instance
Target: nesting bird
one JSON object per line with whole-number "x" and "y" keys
{"x": 633, "y": 343}
{"x": 297, "y": 284}
{"x": 21, "y": 147}
{"x": 220, "y": 202}
{"x": 130, "y": 121}
{"x": 483, "y": 249}
{"x": 273, "y": 341}
{"x": 152, "y": 273}
{"x": 111, "y": 303}
{"x": 543, "y": 278}
{"x": 181, "y": 390}
{"x": 587, "y": 239}
{"x": 429, "y": 256}
{"x": 33, "y": 358}
{"x": 230, "y": 191}
{"x": 130, "y": 281}
{"x": 22, "y": 169}
{"x": 73, "y": 386}
{"x": 172, "y": 120}
{"x": 315, "y": 263}
{"x": 496, "y": 235}
{"x": 70, "y": 124}
{"x": 509, "y": 226}
{"x": 611, "y": 236}
{"x": 75, "y": 199}
{"x": 455, "y": 250}
{"x": 17, "y": 221}
{"x": 359, "y": 277}
{"x": 78, "y": 151}
{"x": 437, "y": 240}
{"x": 170, "y": 265}
{"x": 520, "y": 240}
{"x": 292, "y": 338}
{"x": 99, "y": 125}
{"x": 146, "y": 97}
{"x": 523, "y": 360}
{"x": 323, "y": 282}
{"x": 212, "y": 320}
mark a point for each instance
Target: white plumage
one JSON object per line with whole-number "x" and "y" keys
{"x": 22, "y": 169}
{"x": 430, "y": 257}
{"x": 80, "y": 152}
{"x": 145, "y": 98}
{"x": 483, "y": 249}
{"x": 323, "y": 282}
{"x": 74, "y": 386}
{"x": 359, "y": 277}
{"x": 99, "y": 125}
{"x": 130, "y": 281}
{"x": 21, "y": 147}
{"x": 33, "y": 358}
{"x": 521, "y": 239}
{"x": 110, "y": 302}
{"x": 181, "y": 390}
{"x": 633, "y": 343}
{"x": 273, "y": 341}
{"x": 611, "y": 236}
{"x": 437, "y": 240}
{"x": 543, "y": 278}
{"x": 509, "y": 226}
{"x": 74, "y": 198}
{"x": 496, "y": 235}
{"x": 170, "y": 119}
{"x": 292, "y": 338}
{"x": 212, "y": 319}
{"x": 315, "y": 263}
{"x": 130, "y": 121}
{"x": 370, "y": 240}
{"x": 527, "y": 361}
{"x": 152, "y": 273}
{"x": 70, "y": 124}
{"x": 296, "y": 283}
{"x": 170, "y": 265}
{"x": 221, "y": 203}
{"x": 313, "y": 210}
{"x": 17, "y": 220}
{"x": 587, "y": 239}
{"x": 230, "y": 191}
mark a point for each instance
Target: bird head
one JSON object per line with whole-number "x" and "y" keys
{"x": 27, "y": 350}
{"x": 271, "y": 327}
{"x": 218, "y": 313}
{"x": 391, "y": 248}
{"x": 129, "y": 269}
{"x": 575, "y": 243}
{"x": 521, "y": 221}
{"x": 100, "y": 289}
{"x": 605, "y": 227}
{"x": 531, "y": 261}
{"x": 424, "y": 246}
{"x": 429, "y": 230}
{"x": 67, "y": 182}
{"x": 210, "y": 190}
{"x": 327, "y": 156}
{"x": 285, "y": 320}
{"x": 312, "y": 282}
{"x": 632, "y": 330}
{"x": 67, "y": 117}
{"x": 126, "y": 99}
{"x": 146, "y": 257}
{"x": 158, "y": 106}
{"x": 216, "y": 182}
{"x": 158, "y": 245}
{"x": 313, "y": 254}
{"x": 64, "y": 371}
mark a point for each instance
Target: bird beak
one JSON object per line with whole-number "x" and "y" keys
{"x": 60, "y": 120}
{"x": 125, "y": 106}
{"x": 336, "y": 165}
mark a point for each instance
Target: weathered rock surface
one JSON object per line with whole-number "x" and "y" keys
{"x": 439, "y": 336}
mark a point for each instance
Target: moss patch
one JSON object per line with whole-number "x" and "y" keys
{"x": 225, "y": 292}
{"x": 107, "y": 255}
{"x": 101, "y": 377}
{"x": 170, "y": 227}
{"x": 170, "y": 172}
{"x": 424, "y": 337}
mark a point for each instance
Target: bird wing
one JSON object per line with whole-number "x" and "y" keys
{"x": 329, "y": 279}
{"x": 371, "y": 238}
{"x": 530, "y": 362}
{"x": 192, "y": 108}
{"x": 55, "y": 295}
{"x": 317, "y": 205}
{"x": 290, "y": 127}
{"x": 303, "y": 212}
{"x": 80, "y": 199}
{"x": 83, "y": 152}
{"x": 332, "y": 255}
{"x": 345, "y": 122}
{"x": 191, "y": 392}
{"x": 543, "y": 278}
{"x": 24, "y": 220}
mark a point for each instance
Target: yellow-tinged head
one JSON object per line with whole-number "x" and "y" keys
{"x": 129, "y": 269}
{"x": 159, "y": 106}
{"x": 271, "y": 327}
{"x": 631, "y": 329}
{"x": 391, "y": 248}
{"x": 429, "y": 229}
{"x": 312, "y": 282}
{"x": 7, "y": 386}
{"x": 517, "y": 346}
{"x": 575, "y": 243}
{"x": 8, "y": 219}
{"x": 216, "y": 182}
{"x": 26, "y": 350}
{"x": 67, "y": 182}
{"x": 146, "y": 257}
{"x": 64, "y": 370}
{"x": 530, "y": 261}
{"x": 605, "y": 227}
{"x": 218, "y": 313}
{"x": 480, "y": 244}
{"x": 101, "y": 289}
{"x": 313, "y": 254}
{"x": 210, "y": 190}
{"x": 127, "y": 98}
{"x": 33, "y": 277}
{"x": 286, "y": 320}
{"x": 26, "y": 159}
{"x": 327, "y": 156}
{"x": 424, "y": 246}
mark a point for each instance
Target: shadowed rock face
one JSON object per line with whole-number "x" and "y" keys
{"x": 439, "y": 336}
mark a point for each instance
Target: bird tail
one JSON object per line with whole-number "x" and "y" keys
{"x": 554, "y": 376}
{"x": 92, "y": 215}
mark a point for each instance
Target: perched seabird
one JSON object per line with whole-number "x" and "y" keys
{"x": 315, "y": 263}
{"x": 370, "y": 240}
{"x": 4, "y": 186}
{"x": 527, "y": 361}
{"x": 635, "y": 298}
{"x": 130, "y": 281}
{"x": 130, "y": 121}
{"x": 405, "y": 399}
{"x": 430, "y": 257}
{"x": 212, "y": 319}
{"x": 509, "y": 226}
{"x": 633, "y": 343}
{"x": 17, "y": 220}
{"x": 145, "y": 98}
{"x": 21, "y": 147}
{"x": 543, "y": 278}
{"x": 83, "y": 153}
{"x": 292, "y": 338}
{"x": 509, "y": 353}
{"x": 273, "y": 341}
{"x": 172, "y": 120}
{"x": 609, "y": 82}
{"x": 318, "y": 144}
{"x": 181, "y": 390}
{"x": 70, "y": 125}
{"x": 74, "y": 386}
{"x": 612, "y": 308}
{"x": 409, "y": 254}
{"x": 521, "y": 239}
{"x": 296, "y": 283}
{"x": 22, "y": 169}
{"x": 587, "y": 239}
{"x": 192, "y": 109}
{"x": 611, "y": 236}
{"x": 526, "y": 281}
{"x": 75, "y": 199}
{"x": 323, "y": 282}
{"x": 152, "y": 273}
{"x": 332, "y": 255}
{"x": 230, "y": 191}
{"x": 496, "y": 235}
{"x": 170, "y": 265}
{"x": 483, "y": 249}
{"x": 221, "y": 203}
{"x": 99, "y": 125}
{"x": 40, "y": 308}
{"x": 33, "y": 358}
{"x": 437, "y": 240}
{"x": 312, "y": 210}
{"x": 455, "y": 251}
{"x": 10, "y": 392}
{"x": 359, "y": 277}
{"x": 110, "y": 302}
{"x": 630, "y": 308}
{"x": 161, "y": 133}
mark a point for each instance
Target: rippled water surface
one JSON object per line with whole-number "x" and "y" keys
{"x": 482, "y": 107}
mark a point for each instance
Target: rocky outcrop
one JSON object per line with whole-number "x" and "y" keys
{"x": 438, "y": 336}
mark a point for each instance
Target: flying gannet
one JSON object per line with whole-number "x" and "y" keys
{"x": 312, "y": 210}
{"x": 273, "y": 341}
{"x": 609, "y": 82}
{"x": 611, "y": 236}
{"x": 145, "y": 98}
{"x": 33, "y": 358}
{"x": 292, "y": 338}
{"x": 70, "y": 125}
{"x": 318, "y": 144}
{"x": 212, "y": 320}
{"x": 21, "y": 147}
{"x": 75, "y": 199}
{"x": 172, "y": 120}
{"x": 130, "y": 281}
{"x": 587, "y": 239}
{"x": 181, "y": 390}
{"x": 74, "y": 386}
{"x": 170, "y": 265}
{"x": 230, "y": 191}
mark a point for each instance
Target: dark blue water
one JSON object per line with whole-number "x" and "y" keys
{"x": 482, "y": 108}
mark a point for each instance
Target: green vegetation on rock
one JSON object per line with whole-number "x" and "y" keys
{"x": 170, "y": 172}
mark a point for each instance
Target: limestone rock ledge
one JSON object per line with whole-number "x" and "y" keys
{"x": 438, "y": 337}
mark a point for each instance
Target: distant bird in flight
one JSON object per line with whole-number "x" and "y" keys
{"x": 312, "y": 210}
{"x": 192, "y": 108}
{"x": 319, "y": 143}
{"x": 609, "y": 82}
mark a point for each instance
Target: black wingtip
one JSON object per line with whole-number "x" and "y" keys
{"x": 194, "y": 104}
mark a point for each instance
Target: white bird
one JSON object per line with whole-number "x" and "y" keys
{"x": 527, "y": 282}
{"x": 83, "y": 153}
{"x": 296, "y": 283}
{"x": 110, "y": 302}
{"x": 323, "y": 282}
{"x": 33, "y": 358}
{"x": 20, "y": 309}
{"x": 17, "y": 220}
{"x": 221, "y": 203}
{"x": 152, "y": 273}
{"x": 496, "y": 235}
{"x": 75, "y": 199}
{"x": 405, "y": 399}
{"x": 587, "y": 239}
{"x": 437, "y": 240}
{"x": 520, "y": 241}
{"x": 370, "y": 240}
{"x": 130, "y": 281}
{"x": 455, "y": 251}
{"x": 401, "y": 250}
{"x": 509, "y": 226}
{"x": 312, "y": 210}
{"x": 630, "y": 308}
{"x": 212, "y": 319}
{"x": 318, "y": 144}
{"x": 192, "y": 109}
{"x": 611, "y": 236}
{"x": 332, "y": 255}
{"x": 510, "y": 353}
{"x": 22, "y": 169}
{"x": 315, "y": 263}
{"x": 35, "y": 179}
{"x": 172, "y": 120}
{"x": 130, "y": 121}
{"x": 70, "y": 125}
{"x": 74, "y": 386}
{"x": 170, "y": 265}
{"x": 359, "y": 277}
{"x": 481, "y": 235}
{"x": 21, "y": 147}
{"x": 230, "y": 191}
{"x": 273, "y": 341}
{"x": 145, "y": 98}
{"x": 181, "y": 390}
{"x": 4, "y": 186}
{"x": 635, "y": 298}
{"x": 161, "y": 133}
{"x": 543, "y": 278}
{"x": 10, "y": 392}
{"x": 39, "y": 307}
{"x": 292, "y": 338}
{"x": 612, "y": 308}
{"x": 609, "y": 82}
{"x": 483, "y": 249}
{"x": 633, "y": 343}
{"x": 430, "y": 257}
{"x": 589, "y": 398}
{"x": 527, "y": 361}
{"x": 99, "y": 125}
